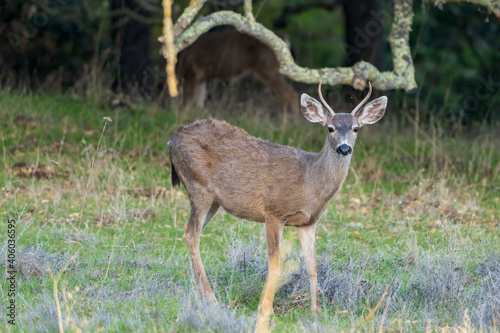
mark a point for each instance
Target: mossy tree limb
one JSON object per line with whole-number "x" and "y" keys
{"x": 492, "y": 5}
{"x": 187, "y": 16}
{"x": 249, "y": 10}
{"x": 401, "y": 77}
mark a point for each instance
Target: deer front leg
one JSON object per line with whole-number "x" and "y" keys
{"x": 307, "y": 237}
{"x": 286, "y": 95}
{"x": 273, "y": 233}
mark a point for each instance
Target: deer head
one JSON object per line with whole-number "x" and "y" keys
{"x": 343, "y": 127}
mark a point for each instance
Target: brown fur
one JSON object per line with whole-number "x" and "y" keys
{"x": 222, "y": 165}
{"x": 226, "y": 53}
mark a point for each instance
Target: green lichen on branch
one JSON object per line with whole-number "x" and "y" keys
{"x": 399, "y": 39}
{"x": 492, "y": 5}
{"x": 357, "y": 76}
{"x": 248, "y": 10}
{"x": 401, "y": 78}
{"x": 187, "y": 16}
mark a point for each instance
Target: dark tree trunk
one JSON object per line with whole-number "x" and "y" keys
{"x": 132, "y": 39}
{"x": 364, "y": 32}
{"x": 364, "y": 39}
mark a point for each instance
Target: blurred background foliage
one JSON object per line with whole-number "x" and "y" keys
{"x": 68, "y": 45}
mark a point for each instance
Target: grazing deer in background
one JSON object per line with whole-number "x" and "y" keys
{"x": 223, "y": 53}
{"x": 222, "y": 165}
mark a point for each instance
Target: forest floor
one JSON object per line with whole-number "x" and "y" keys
{"x": 410, "y": 243}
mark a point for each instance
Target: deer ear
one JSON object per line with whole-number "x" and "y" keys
{"x": 372, "y": 112}
{"x": 312, "y": 109}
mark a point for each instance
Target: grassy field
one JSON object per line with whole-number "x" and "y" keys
{"x": 411, "y": 243}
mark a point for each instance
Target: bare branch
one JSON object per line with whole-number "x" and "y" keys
{"x": 402, "y": 77}
{"x": 248, "y": 10}
{"x": 168, "y": 33}
{"x": 492, "y": 5}
{"x": 187, "y": 17}
{"x": 131, "y": 14}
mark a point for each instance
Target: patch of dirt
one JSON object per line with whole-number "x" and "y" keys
{"x": 39, "y": 171}
{"x": 58, "y": 145}
{"x": 428, "y": 198}
{"x": 27, "y": 121}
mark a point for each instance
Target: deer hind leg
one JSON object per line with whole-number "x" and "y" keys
{"x": 307, "y": 237}
{"x": 286, "y": 95}
{"x": 273, "y": 233}
{"x": 202, "y": 210}
{"x": 195, "y": 91}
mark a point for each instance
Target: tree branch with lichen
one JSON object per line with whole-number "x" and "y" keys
{"x": 401, "y": 78}
{"x": 187, "y": 16}
{"x": 492, "y": 5}
{"x": 249, "y": 10}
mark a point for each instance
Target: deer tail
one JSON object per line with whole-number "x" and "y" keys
{"x": 176, "y": 181}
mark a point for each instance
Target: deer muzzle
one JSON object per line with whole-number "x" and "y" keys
{"x": 344, "y": 150}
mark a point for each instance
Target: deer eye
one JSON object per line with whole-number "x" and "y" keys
{"x": 355, "y": 129}
{"x": 331, "y": 129}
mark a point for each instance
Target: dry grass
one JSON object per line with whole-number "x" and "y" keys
{"x": 34, "y": 262}
{"x": 422, "y": 218}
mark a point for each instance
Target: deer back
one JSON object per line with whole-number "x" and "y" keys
{"x": 248, "y": 176}
{"x": 225, "y": 52}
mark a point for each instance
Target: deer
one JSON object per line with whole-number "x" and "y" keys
{"x": 221, "y": 165}
{"x": 223, "y": 53}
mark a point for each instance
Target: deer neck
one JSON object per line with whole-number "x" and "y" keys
{"x": 329, "y": 170}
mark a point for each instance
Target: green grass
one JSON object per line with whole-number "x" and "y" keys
{"x": 427, "y": 204}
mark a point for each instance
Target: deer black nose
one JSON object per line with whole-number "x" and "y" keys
{"x": 344, "y": 150}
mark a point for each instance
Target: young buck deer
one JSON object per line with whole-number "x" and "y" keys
{"x": 257, "y": 180}
{"x": 225, "y": 52}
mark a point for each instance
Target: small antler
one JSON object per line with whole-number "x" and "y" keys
{"x": 332, "y": 113}
{"x": 364, "y": 100}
